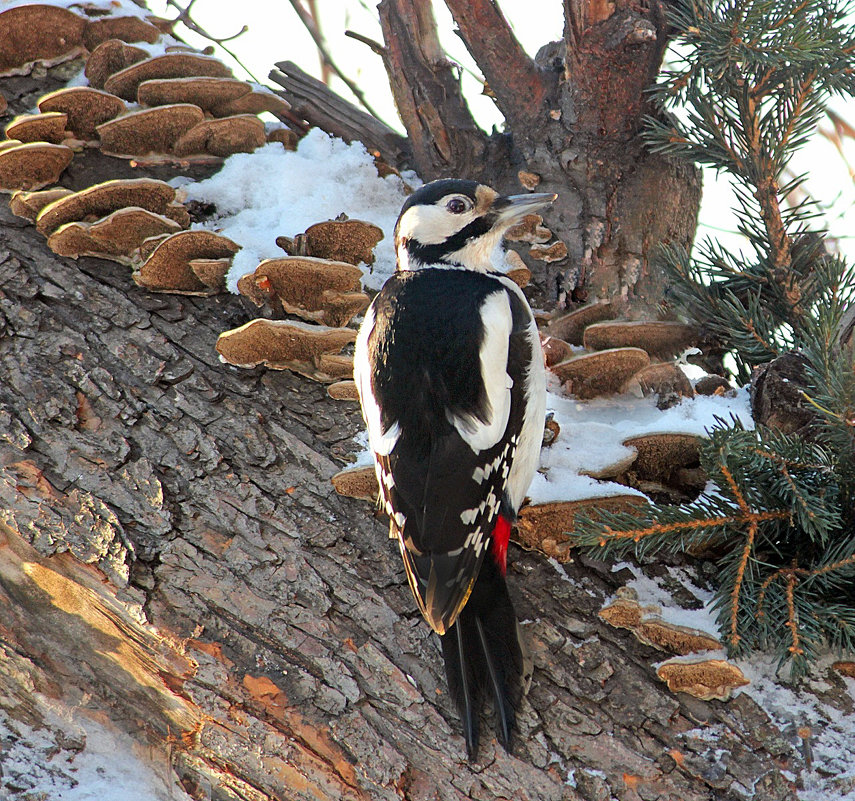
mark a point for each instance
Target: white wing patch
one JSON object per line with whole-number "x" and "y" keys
{"x": 496, "y": 317}
{"x": 380, "y": 441}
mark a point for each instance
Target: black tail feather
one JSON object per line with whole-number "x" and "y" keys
{"x": 482, "y": 655}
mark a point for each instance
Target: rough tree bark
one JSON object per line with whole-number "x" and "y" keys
{"x": 573, "y": 117}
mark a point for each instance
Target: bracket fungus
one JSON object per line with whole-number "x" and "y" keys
{"x": 32, "y": 165}
{"x": 127, "y": 29}
{"x": 649, "y": 628}
{"x": 548, "y": 526}
{"x": 206, "y": 92}
{"x": 343, "y": 390}
{"x": 518, "y": 272}
{"x": 571, "y": 326}
{"x": 703, "y": 678}
{"x": 109, "y": 58}
{"x": 662, "y": 339}
{"x": 86, "y": 108}
{"x": 318, "y": 290}
{"x": 256, "y": 102}
{"x": 168, "y": 269}
{"x": 600, "y": 373}
{"x": 102, "y": 199}
{"x": 49, "y": 126}
{"x": 211, "y": 272}
{"x": 41, "y": 34}
{"x": 286, "y": 136}
{"x": 222, "y": 136}
{"x": 125, "y": 82}
{"x": 665, "y": 379}
{"x": 117, "y": 236}
{"x": 358, "y": 482}
{"x": 660, "y": 455}
{"x": 29, "y": 204}
{"x": 529, "y": 229}
{"x": 548, "y": 253}
{"x": 350, "y": 241}
{"x": 310, "y": 350}
{"x": 150, "y": 131}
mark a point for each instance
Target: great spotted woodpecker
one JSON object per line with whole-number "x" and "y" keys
{"x": 450, "y": 375}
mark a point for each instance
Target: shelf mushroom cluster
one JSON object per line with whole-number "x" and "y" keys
{"x": 318, "y": 282}
{"x": 191, "y": 107}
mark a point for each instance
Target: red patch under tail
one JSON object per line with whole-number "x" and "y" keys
{"x": 501, "y": 535}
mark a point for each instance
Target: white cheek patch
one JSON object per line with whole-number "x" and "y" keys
{"x": 431, "y": 225}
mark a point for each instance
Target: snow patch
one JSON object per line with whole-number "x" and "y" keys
{"x": 273, "y": 192}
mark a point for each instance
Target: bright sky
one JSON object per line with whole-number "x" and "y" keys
{"x": 276, "y": 34}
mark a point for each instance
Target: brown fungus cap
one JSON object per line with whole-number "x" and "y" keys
{"x": 660, "y": 455}
{"x": 171, "y": 65}
{"x": 351, "y": 241}
{"x": 117, "y": 236}
{"x": 286, "y": 136}
{"x": 111, "y": 57}
{"x": 86, "y": 108}
{"x": 343, "y": 390}
{"x": 664, "y": 379}
{"x": 32, "y": 165}
{"x": 549, "y": 526}
{"x": 571, "y": 326}
{"x": 148, "y": 131}
{"x": 126, "y": 29}
{"x": 357, "y": 482}
{"x": 102, "y": 199}
{"x": 168, "y": 267}
{"x": 206, "y": 92}
{"x": 287, "y": 345}
{"x": 314, "y": 289}
{"x": 38, "y": 34}
{"x": 255, "y": 102}
{"x": 703, "y": 678}
{"x": 222, "y": 136}
{"x": 211, "y": 272}
{"x": 518, "y": 271}
{"x": 29, "y": 204}
{"x": 548, "y": 253}
{"x": 529, "y": 229}
{"x": 603, "y": 372}
{"x": 47, "y": 127}
{"x": 660, "y": 338}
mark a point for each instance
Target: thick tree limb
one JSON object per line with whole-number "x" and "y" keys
{"x": 445, "y": 138}
{"x": 518, "y": 83}
{"x": 315, "y": 102}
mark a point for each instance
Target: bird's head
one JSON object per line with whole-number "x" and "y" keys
{"x": 458, "y": 222}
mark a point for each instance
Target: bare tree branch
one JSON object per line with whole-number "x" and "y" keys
{"x": 309, "y": 20}
{"x": 519, "y": 85}
{"x": 445, "y": 138}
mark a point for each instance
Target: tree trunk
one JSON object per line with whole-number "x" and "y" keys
{"x": 573, "y": 117}
{"x": 175, "y": 563}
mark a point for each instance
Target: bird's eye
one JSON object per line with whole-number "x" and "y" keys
{"x": 457, "y": 205}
